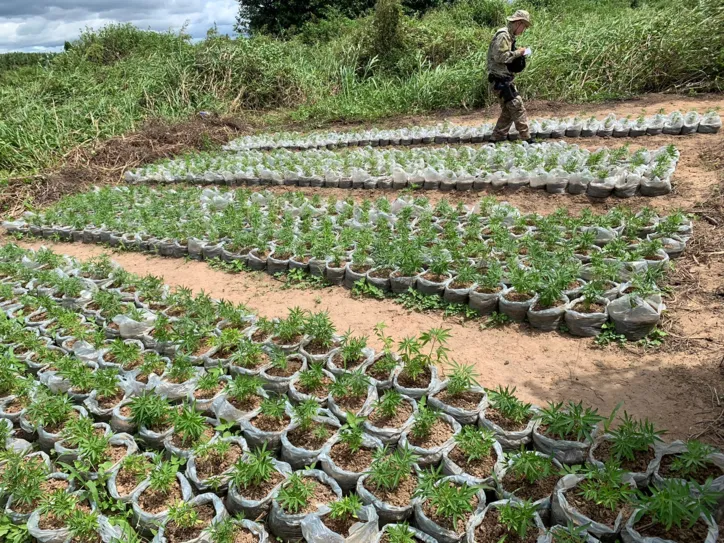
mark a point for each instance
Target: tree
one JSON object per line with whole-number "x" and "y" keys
{"x": 287, "y": 16}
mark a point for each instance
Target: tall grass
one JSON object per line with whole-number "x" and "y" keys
{"x": 584, "y": 50}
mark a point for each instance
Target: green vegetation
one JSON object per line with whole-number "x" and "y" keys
{"x": 112, "y": 79}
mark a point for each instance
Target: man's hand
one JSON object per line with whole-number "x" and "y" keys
{"x": 519, "y": 51}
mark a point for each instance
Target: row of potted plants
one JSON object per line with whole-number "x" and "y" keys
{"x": 434, "y": 432}
{"x": 556, "y": 167}
{"x": 672, "y": 124}
{"x": 584, "y": 270}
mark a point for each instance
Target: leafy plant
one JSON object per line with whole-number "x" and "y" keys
{"x": 183, "y": 515}
{"x": 163, "y": 476}
{"x": 425, "y": 419}
{"x": 677, "y": 503}
{"x": 353, "y": 384}
{"x": 313, "y": 378}
{"x": 632, "y": 437}
{"x": 389, "y": 469}
{"x": 462, "y": 378}
{"x": 696, "y": 457}
{"x": 295, "y": 494}
{"x": 255, "y": 469}
{"x": 569, "y": 421}
{"x": 452, "y": 501}
{"x": 352, "y": 433}
{"x": 346, "y": 508}
{"x": 504, "y": 401}
{"x": 274, "y": 407}
{"x": 150, "y": 410}
{"x": 605, "y": 487}
{"x": 518, "y": 517}
{"x": 399, "y": 533}
{"x": 475, "y": 443}
{"x": 529, "y": 465}
{"x": 389, "y": 403}
{"x": 189, "y": 425}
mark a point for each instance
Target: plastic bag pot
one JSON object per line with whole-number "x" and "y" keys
{"x": 629, "y": 534}
{"x": 174, "y": 391}
{"x": 347, "y": 480}
{"x": 586, "y": 324}
{"x": 256, "y": 262}
{"x": 450, "y": 468}
{"x": 204, "y": 485}
{"x": 478, "y": 519}
{"x": 635, "y": 317}
{"x": 315, "y": 531}
{"x": 236, "y": 503}
{"x": 461, "y": 415}
{"x": 418, "y": 536}
{"x": 401, "y": 284}
{"x": 601, "y": 188}
{"x": 341, "y": 413}
{"x": 547, "y": 320}
{"x": 390, "y": 435}
{"x": 563, "y": 512}
{"x": 566, "y": 452}
{"x": 457, "y": 295}
{"x": 184, "y": 452}
{"x": 67, "y": 455}
{"x": 677, "y": 447}
{"x": 204, "y": 499}
{"x": 655, "y": 187}
{"x": 335, "y": 275}
{"x": 416, "y": 393}
{"x": 257, "y": 438}
{"x": 627, "y": 186}
{"x": 288, "y": 526}
{"x": 46, "y": 440}
{"x": 337, "y": 371}
{"x": 543, "y": 505}
{"x": 152, "y": 439}
{"x": 386, "y": 512}
{"x": 710, "y": 123}
{"x": 107, "y": 533}
{"x": 440, "y": 533}
{"x": 640, "y": 478}
{"x": 317, "y": 267}
{"x": 223, "y": 409}
{"x": 119, "y": 422}
{"x": 483, "y": 302}
{"x": 21, "y": 518}
{"x": 275, "y": 265}
{"x": 256, "y": 529}
{"x": 113, "y": 486}
{"x": 351, "y": 277}
{"x": 280, "y": 384}
{"x": 433, "y": 455}
{"x": 382, "y": 283}
{"x": 429, "y": 288}
{"x": 516, "y": 311}
{"x": 149, "y": 521}
{"x": 297, "y": 396}
{"x": 299, "y": 457}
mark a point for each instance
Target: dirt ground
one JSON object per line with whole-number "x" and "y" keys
{"x": 678, "y": 386}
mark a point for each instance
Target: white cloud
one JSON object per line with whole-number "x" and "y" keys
{"x": 44, "y": 25}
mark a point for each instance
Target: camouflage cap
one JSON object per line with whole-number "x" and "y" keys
{"x": 521, "y": 15}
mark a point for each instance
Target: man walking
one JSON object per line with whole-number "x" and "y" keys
{"x": 504, "y": 60}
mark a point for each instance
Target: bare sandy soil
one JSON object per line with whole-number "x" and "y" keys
{"x": 676, "y": 386}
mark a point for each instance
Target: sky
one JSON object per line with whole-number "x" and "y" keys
{"x": 45, "y": 25}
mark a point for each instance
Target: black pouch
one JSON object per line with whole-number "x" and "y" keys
{"x": 506, "y": 88}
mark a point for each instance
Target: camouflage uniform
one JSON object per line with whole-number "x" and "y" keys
{"x": 501, "y": 53}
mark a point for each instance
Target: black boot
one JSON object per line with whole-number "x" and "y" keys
{"x": 530, "y": 141}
